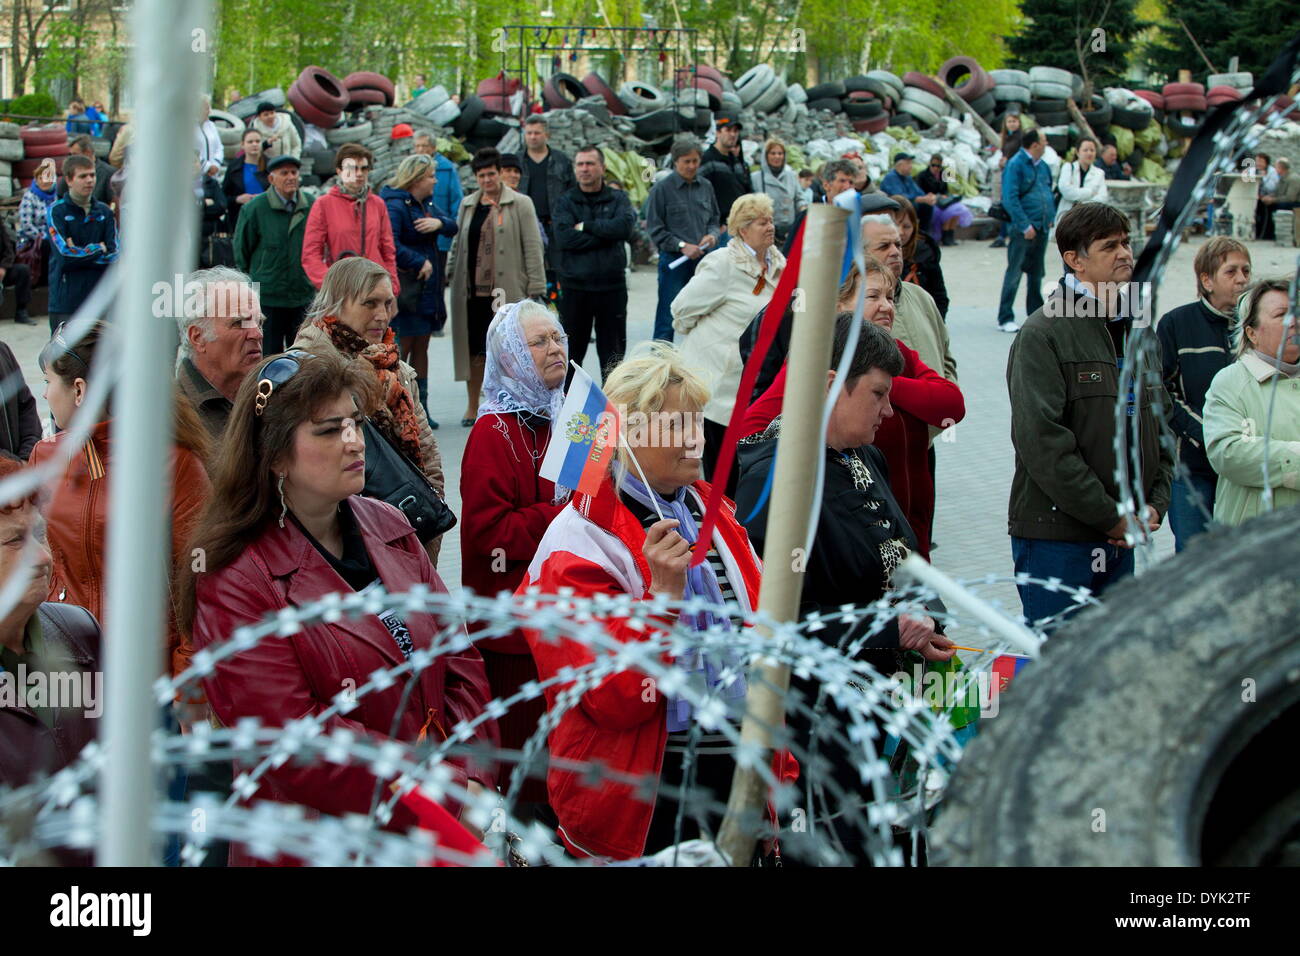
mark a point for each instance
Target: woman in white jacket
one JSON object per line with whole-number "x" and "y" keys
{"x": 1082, "y": 180}
{"x": 728, "y": 289}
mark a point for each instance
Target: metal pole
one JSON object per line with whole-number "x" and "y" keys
{"x": 797, "y": 450}
{"x": 171, "y": 41}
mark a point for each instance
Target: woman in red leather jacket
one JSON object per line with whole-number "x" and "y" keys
{"x": 286, "y": 525}
{"x": 76, "y": 513}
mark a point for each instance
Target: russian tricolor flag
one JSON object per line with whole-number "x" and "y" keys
{"x": 583, "y": 440}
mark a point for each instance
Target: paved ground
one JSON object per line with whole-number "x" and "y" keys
{"x": 974, "y": 468}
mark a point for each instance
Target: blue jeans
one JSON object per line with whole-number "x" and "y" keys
{"x": 1094, "y": 565}
{"x": 671, "y": 282}
{"x": 1185, "y": 517}
{"x": 1023, "y": 255}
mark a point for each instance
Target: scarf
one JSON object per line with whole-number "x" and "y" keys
{"x": 395, "y": 418}
{"x": 41, "y": 194}
{"x": 1288, "y": 369}
{"x": 485, "y": 257}
{"x": 702, "y": 671}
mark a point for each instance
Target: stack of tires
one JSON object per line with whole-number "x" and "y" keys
{"x": 438, "y": 107}
{"x": 368, "y": 89}
{"x": 1049, "y": 89}
{"x": 1010, "y": 93}
{"x": 965, "y": 77}
{"x": 319, "y": 97}
{"x": 13, "y": 151}
{"x": 1185, "y": 106}
{"x": 651, "y": 110}
{"x": 922, "y": 104}
{"x": 39, "y": 144}
{"x": 1135, "y": 112}
{"x": 761, "y": 90}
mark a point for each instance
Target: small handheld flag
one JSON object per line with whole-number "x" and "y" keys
{"x": 583, "y": 440}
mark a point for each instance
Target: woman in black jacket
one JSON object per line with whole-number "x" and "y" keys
{"x": 862, "y": 537}
{"x": 211, "y": 200}
{"x": 20, "y": 422}
{"x": 245, "y": 178}
{"x": 921, "y": 255}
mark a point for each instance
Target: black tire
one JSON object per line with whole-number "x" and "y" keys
{"x": 823, "y": 91}
{"x": 1051, "y": 119}
{"x": 858, "y": 84}
{"x": 490, "y": 129}
{"x": 1135, "y": 158}
{"x": 1059, "y": 142}
{"x": 1135, "y": 120}
{"x": 651, "y": 126}
{"x": 826, "y": 103}
{"x": 863, "y": 109}
{"x": 1099, "y": 116}
{"x": 1138, "y": 709}
{"x": 882, "y": 89}
{"x": 984, "y": 104}
{"x": 471, "y": 111}
{"x": 1046, "y": 106}
{"x": 905, "y": 119}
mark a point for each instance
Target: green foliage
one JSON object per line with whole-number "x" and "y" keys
{"x": 33, "y": 104}
{"x": 1252, "y": 30}
{"x": 1056, "y": 33}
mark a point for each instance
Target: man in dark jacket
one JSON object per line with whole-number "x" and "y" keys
{"x": 723, "y": 165}
{"x": 84, "y": 146}
{"x": 1194, "y": 347}
{"x": 592, "y": 224}
{"x": 16, "y": 274}
{"x": 547, "y": 175}
{"x": 268, "y": 246}
{"x": 1027, "y": 197}
{"x": 20, "y": 422}
{"x": 1066, "y": 513}
{"x": 83, "y": 241}
{"x": 682, "y": 219}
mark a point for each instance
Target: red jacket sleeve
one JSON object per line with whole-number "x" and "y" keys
{"x": 621, "y": 701}
{"x": 227, "y": 600}
{"x": 925, "y": 393}
{"x": 768, "y": 406}
{"x": 489, "y": 489}
{"x": 313, "y": 244}
{"x": 190, "y": 490}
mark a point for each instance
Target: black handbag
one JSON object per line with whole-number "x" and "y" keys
{"x": 408, "y": 300}
{"x": 999, "y": 212}
{"x": 392, "y": 477}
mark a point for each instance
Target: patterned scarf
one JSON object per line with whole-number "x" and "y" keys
{"x": 485, "y": 257}
{"x": 395, "y": 417}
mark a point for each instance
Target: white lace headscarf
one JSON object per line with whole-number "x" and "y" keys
{"x": 510, "y": 379}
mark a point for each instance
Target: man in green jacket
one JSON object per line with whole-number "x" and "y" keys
{"x": 1066, "y": 518}
{"x": 268, "y": 246}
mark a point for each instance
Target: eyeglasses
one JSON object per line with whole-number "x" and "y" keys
{"x": 559, "y": 338}
{"x": 354, "y": 168}
{"x": 275, "y": 374}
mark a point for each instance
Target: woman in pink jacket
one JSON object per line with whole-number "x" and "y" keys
{"x": 349, "y": 220}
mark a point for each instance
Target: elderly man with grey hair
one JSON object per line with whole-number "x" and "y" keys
{"x": 221, "y": 339}
{"x": 683, "y": 221}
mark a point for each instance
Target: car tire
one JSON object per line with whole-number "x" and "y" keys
{"x": 919, "y": 81}
{"x": 1006, "y": 93}
{"x": 322, "y": 89}
{"x": 562, "y": 90}
{"x": 1051, "y": 91}
{"x": 595, "y": 85}
{"x": 823, "y": 91}
{"x": 1152, "y": 97}
{"x": 1176, "y": 102}
{"x": 794, "y": 93}
{"x": 1010, "y": 77}
{"x": 924, "y": 116}
{"x": 348, "y": 134}
{"x": 984, "y": 104}
{"x": 771, "y": 98}
{"x": 1163, "y": 739}
{"x": 1136, "y": 120}
{"x": 656, "y": 124}
{"x": 471, "y": 111}
{"x": 935, "y": 104}
{"x": 862, "y": 109}
{"x": 1050, "y": 74}
{"x": 889, "y": 79}
{"x": 366, "y": 80}
{"x": 977, "y": 82}
{"x": 830, "y": 104}
{"x": 754, "y": 82}
{"x": 359, "y": 99}
{"x": 309, "y": 112}
{"x": 1182, "y": 89}
{"x": 641, "y": 98}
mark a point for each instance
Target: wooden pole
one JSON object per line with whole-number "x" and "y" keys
{"x": 985, "y": 129}
{"x": 1076, "y": 114}
{"x": 797, "y": 450}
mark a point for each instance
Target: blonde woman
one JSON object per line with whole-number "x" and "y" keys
{"x": 717, "y": 305}
{"x": 779, "y": 183}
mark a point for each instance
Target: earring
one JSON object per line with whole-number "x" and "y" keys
{"x": 284, "y": 507}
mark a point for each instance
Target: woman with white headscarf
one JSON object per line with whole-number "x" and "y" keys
{"x": 505, "y": 505}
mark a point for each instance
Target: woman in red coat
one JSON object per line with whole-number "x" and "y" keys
{"x": 506, "y": 505}
{"x": 286, "y": 526}
{"x": 920, "y": 396}
{"x": 615, "y": 543}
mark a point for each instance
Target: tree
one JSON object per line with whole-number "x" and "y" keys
{"x": 1093, "y": 38}
{"x": 1251, "y": 30}
{"x": 27, "y": 20}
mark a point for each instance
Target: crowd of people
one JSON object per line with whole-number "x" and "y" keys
{"x": 304, "y": 461}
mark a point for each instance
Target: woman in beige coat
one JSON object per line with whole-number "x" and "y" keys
{"x": 350, "y": 314}
{"x": 495, "y": 259}
{"x": 728, "y": 289}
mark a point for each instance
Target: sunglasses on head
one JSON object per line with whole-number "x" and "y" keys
{"x": 59, "y": 345}
{"x": 275, "y": 373}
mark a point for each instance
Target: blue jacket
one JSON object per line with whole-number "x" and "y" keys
{"x": 1027, "y": 193}
{"x": 896, "y": 184}
{"x": 82, "y": 246}
{"x": 414, "y": 248}
{"x": 447, "y": 194}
